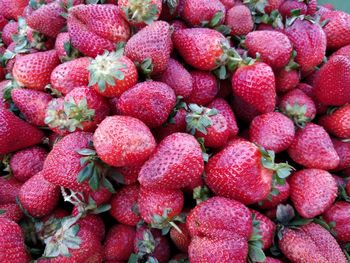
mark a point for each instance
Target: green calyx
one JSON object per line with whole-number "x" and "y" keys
{"x": 297, "y": 114}
{"x": 106, "y": 69}
{"x": 72, "y": 52}
{"x": 198, "y": 119}
{"x": 5, "y": 165}
{"x": 145, "y": 67}
{"x": 180, "y": 104}
{"x": 274, "y": 19}
{"x": 146, "y": 247}
{"x": 201, "y": 194}
{"x": 292, "y": 65}
{"x": 216, "y": 23}
{"x": 172, "y": 5}
{"x": 256, "y": 6}
{"x": 342, "y": 194}
{"x": 164, "y": 223}
{"x": 255, "y": 244}
{"x": 36, "y": 4}
{"x": 139, "y": 11}
{"x": 205, "y": 154}
{"x": 2, "y": 211}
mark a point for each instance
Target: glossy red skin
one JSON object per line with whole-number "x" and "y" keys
{"x": 32, "y": 104}
{"x": 197, "y": 11}
{"x": 12, "y": 212}
{"x": 176, "y": 163}
{"x": 129, "y": 173}
{"x": 343, "y": 151}
{"x": 337, "y": 123}
{"x": 154, "y": 202}
{"x": 179, "y": 125}
{"x": 33, "y": 71}
{"x": 26, "y": 163}
{"x": 10, "y": 29}
{"x": 150, "y": 102}
{"x": 313, "y": 148}
{"x": 266, "y": 227}
{"x": 286, "y": 80}
{"x": 223, "y": 227}
{"x": 12, "y": 248}
{"x": 312, "y": 191}
{"x": 311, "y": 243}
{"x": 311, "y": 49}
{"x": 273, "y": 131}
{"x": 344, "y": 51}
{"x": 199, "y": 47}
{"x": 119, "y": 243}
{"x": 62, "y": 164}
{"x": 154, "y": 42}
{"x": 337, "y": 29}
{"x": 9, "y": 190}
{"x": 282, "y": 196}
{"x": 123, "y": 203}
{"x": 255, "y": 84}
{"x": 237, "y": 172}
{"x": 274, "y": 47}
{"x": 181, "y": 240}
{"x": 16, "y": 134}
{"x": 95, "y": 28}
{"x": 205, "y": 88}
{"x": 310, "y": 91}
{"x": 288, "y": 6}
{"x": 69, "y": 75}
{"x": 332, "y": 82}
{"x": 239, "y": 20}
{"x": 339, "y": 213}
{"x": 59, "y": 44}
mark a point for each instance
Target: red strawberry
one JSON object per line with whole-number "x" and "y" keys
{"x": 102, "y": 196}
{"x": 312, "y": 191}
{"x": 273, "y": 131}
{"x": 200, "y": 47}
{"x": 11, "y": 211}
{"x": 239, "y": 20}
{"x": 286, "y": 80}
{"x": 64, "y": 48}
{"x": 339, "y": 215}
{"x": 344, "y": 51}
{"x": 255, "y": 84}
{"x": 129, "y": 174}
{"x": 32, "y": 104}
{"x": 33, "y": 71}
{"x": 12, "y": 9}
{"x": 181, "y": 239}
{"x": 178, "y": 162}
{"x": 149, "y": 101}
{"x": 8, "y": 31}
{"x": 12, "y": 248}
{"x": 69, "y": 75}
{"x": 274, "y": 47}
{"x": 123, "y": 141}
{"x": 9, "y": 190}
{"x": 151, "y": 45}
{"x": 272, "y": 5}
{"x": 244, "y": 111}
{"x": 309, "y": 41}
{"x": 205, "y": 88}
{"x": 16, "y": 134}
{"x": 287, "y": 7}
{"x": 119, "y": 243}
{"x": 337, "y": 122}
{"x": 175, "y": 124}
{"x": 311, "y": 243}
{"x": 196, "y": 12}
{"x": 229, "y": 3}
{"x": 26, "y": 163}
{"x": 267, "y": 229}
{"x": 124, "y": 207}
{"x": 310, "y": 91}
{"x": 93, "y": 223}
{"x": 178, "y": 25}
{"x": 3, "y": 22}
{"x": 313, "y": 148}
{"x": 343, "y": 151}
{"x": 273, "y": 200}
{"x": 332, "y": 82}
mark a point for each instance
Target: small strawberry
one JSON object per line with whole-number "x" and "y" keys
{"x": 267, "y": 229}
{"x": 337, "y": 122}
{"x": 239, "y": 20}
{"x": 10, "y": 188}
{"x": 288, "y": 7}
{"x": 204, "y": 89}
{"x": 176, "y": 123}
{"x": 339, "y": 215}
{"x": 11, "y": 211}
{"x": 9, "y": 30}
{"x": 181, "y": 239}
{"x": 273, "y": 200}
{"x": 229, "y": 3}
{"x": 343, "y": 151}
{"x": 286, "y": 80}
{"x": 64, "y": 48}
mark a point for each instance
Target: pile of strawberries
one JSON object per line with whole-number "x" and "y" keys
{"x": 155, "y": 131}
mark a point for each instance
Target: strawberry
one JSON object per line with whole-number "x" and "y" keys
{"x": 16, "y": 134}
{"x": 313, "y": 148}
{"x": 100, "y": 197}
{"x": 32, "y": 104}
{"x": 33, "y": 71}
{"x": 287, "y": 8}
{"x": 149, "y": 101}
{"x": 239, "y": 20}
{"x": 267, "y": 229}
{"x": 178, "y": 25}
{"x": 10, "y": 29}
{"x": 11, "y": 211}
{"x": 151, "y": 48}
{"x": 111, "y": 74}
{"x": 175, "y": 124}
{"x": 343, "y": 151}
{"x": 9, "y": 190}
{"x": 129, "y": 174}
{"x": 124, "y": 206}
{"x": 131, "y": 140}
{"x": 311, "y": 49}
{"x": 3, "y": 22}
{"x": 28, "y": 162}
{"x": 255, "y": 84}
{"x": 196, "y": 12}
{"x": 310, "y": 243}
{"x": 205, "y": 88}
{"x": 273, "y": 131}
{"x": 93, "y": 223}
{"x": 274, "y": 200}
{"x": 12, "y": 242}
{"x": 181, "y": 239}
{"x": 69, "y": 75}
{"x": 286, "y": 80}
{"x": 12, "y": 9}
{"x": 274, "y": 47}
{"x": 272, "y": 5}
{"x": 339, "y": 215}
{"x": 337, "y": 122}
{"x": 310, "y": 91}
{"x": 344, "y": 51}
{"x": 244, "y": 111}
{"x": 229, "y": 3}
{"x": 178, "y": 162}
{"x": 119, "y": 243}
{"x": 64, "y": 48}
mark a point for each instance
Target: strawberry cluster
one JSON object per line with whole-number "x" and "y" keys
{"x": 155, "y": 131}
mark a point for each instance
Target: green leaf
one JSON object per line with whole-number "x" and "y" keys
{"x": 94, "y": 181}
{"x": 102, "y": 209}
{"x": 108, "y": 185}
{"x": 256, "y": 254}
{"x": 86, "y": 173}
{"x": 216, "y": 19}
{"x": 133, "y": 258}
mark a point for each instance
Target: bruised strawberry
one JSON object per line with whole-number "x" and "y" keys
{"x": 343, "y": 151}
{"x": 339, "y": 215}
{"x": 337, "y": 122}
{"x": 181, "y": 239}
{"x": 239, "y": 20}
{"x": 205, "y": 88}
{"x": 10, "y": 188}
{"x": 286, "y": 80}
{"x": 11, "y": 211}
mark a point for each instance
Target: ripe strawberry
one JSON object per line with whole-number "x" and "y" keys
{"x": 111, "y": 74}
{"x": 64, "y": 48}
{"x": 124, "y": 206}
{"x": 178, "y": 25}
{"x": 344, "y": 51}
{"x": 286, "y": 80}
{"x": 343, "y": 151}
{"x": 339, "y": 214}
{"x": 287, "y": 7}
{"x": 309, "y": 41}
{"x": 239, "y": 20}
{"x": 12, "y": 9}
{"x": 267, "y": 229}
{"x": 26, "y": 163}
{"x": 119, "y": 243}
{"x": 204, "y": 89}
{"x": 274, "y": 200}
{"x": 3, "y": 22}
{"x": 175, "y": 124}
{"x": 33, "y": 71}
{"x": 337, "y": 122}
{"x": 244, "y": 111}
{"x": 16, "y": 134}
{"x": 9, "y": 190}
{"x": 310, "y": 91}
{"x": 100, "y": 197}
{"x": 69, "y": 75}
{"x": 12, "y": 242}
{"x": 199, "y": 47}
{"x": 255, "y": 84}
{"x": 151, "y": 45}
{"x": 11, "y": 212}
{"x": 311, "y": 243}
{"x": 32, "y": 104}
{"x": 177, "y": 161}
{"x": 149, "y": 101}
{"x": 272, "y": 5}
{"x": 9, "y": 30}
{"x": 313, "y": 148}
{"x": 229, "y": 3}
{"x": 93, "y": 223}
{"x": 181, "y": 239}
{"x": 129, "y": 174}
{"x": 273, "y": 131}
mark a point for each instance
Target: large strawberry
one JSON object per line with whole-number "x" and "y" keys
{"x": 204, "y": 89}
{"x": 151, "y": 47}
{"x": 9, "y": 190}
{"x": 33, "y": 71}
{"x": 12, "y": 9}
{"x": 339, "y": 214}
{"x": 239, "y": 20}
{"x": 198, "y": 11}
{"x": 337, "y": 122}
